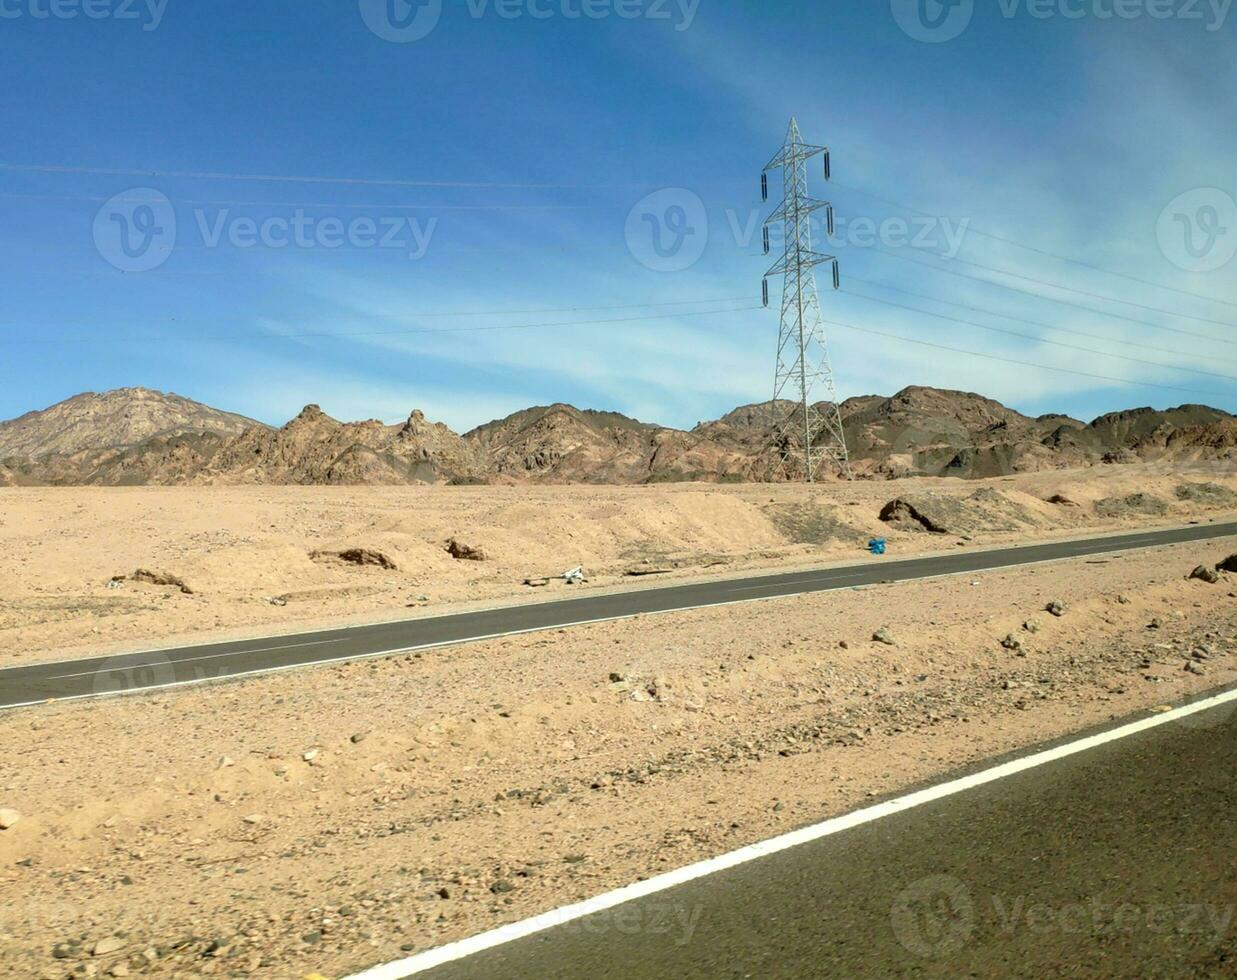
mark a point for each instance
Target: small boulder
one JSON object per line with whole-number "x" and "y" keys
{"x": 461, "y": 551}
{"x": 1056, "y": 607}
{"x": 883, "y": 635}
{"x": 161, "y": 578}
{"x": 1206, "y": 574}
{"x": 1011, "y": 642}
{"x": 1228, "y": 565}
{"x": 8, "y": 817}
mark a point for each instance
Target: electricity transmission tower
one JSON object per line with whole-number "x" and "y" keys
{"x": 806, "y": 436}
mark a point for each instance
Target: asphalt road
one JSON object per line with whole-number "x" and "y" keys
{"x": 216, "y": 661}
{"x": 1120, "y": 861}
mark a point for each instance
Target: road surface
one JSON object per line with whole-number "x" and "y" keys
{"x": 1117, "y": 861}
{"x": 100, "y": 676}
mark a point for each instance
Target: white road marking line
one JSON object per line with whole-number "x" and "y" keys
{"x": 568, "y": 913}
{"x": 164, "y": 662}
{"x": 261, "y": 671}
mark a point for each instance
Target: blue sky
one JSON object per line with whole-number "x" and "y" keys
{"x": 523, "y": 140}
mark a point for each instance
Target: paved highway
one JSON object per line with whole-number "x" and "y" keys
{"x": 216, "y": 661}
{"x": 1114, "y": 861}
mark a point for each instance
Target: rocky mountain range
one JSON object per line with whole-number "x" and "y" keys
{"x": 136, "y": 436}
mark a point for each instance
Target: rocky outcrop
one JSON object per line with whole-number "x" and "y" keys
{"x": 919, "y": 431}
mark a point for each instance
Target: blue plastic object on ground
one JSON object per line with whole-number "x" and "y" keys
{"x": 877, "y": 546}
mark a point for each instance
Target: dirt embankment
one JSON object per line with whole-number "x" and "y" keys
{"x": 218, "y": 561}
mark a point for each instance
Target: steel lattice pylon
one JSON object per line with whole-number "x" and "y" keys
{"x": 807, "y": 436}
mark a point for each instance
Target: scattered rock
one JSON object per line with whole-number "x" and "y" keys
{"x": 460, "y": 551}
{"x": 1031, "y": 626}
{"x": 310, "y": 754}
{"x": 358, "y": 737}
{"x": 1062, "y": 501}
{"x": 501, "y": 886}
{"x": 883, "y": 635}
{"x": 1207, "y": 494}
{"x": 225, "y": 762}
{"x": 8, "y": 817}
{"x": 254, "y": 818}
{"x": 1123, "y": 599}
{"x": 1155, "y": 624}
{"x": 1056, "y": 607}
{"x": 1011, "y": 642}
{"x": 359, "y": 556}
{"x": 1134, "y": 504}
{"x": 1206, "y": 574}
{"x": 108, "y": 944}
{"x": 1228, "y": 565}
{"x": 277, "y": 600}
{"x": 903, "y": 511}
{"x": 161, "y": 578}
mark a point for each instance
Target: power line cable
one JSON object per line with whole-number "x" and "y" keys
{"x": 464, "y": 313}
{"x": 1083, "y": 292}
{"x": 1041, "y": 251}
{"x": 1050, "y": 299}
{"x": 276, "y": 335}
{"x": 1010, "y": 360}
{"x": 293, "y": 178}
{"x": 1041, "y": 340}
{"x": 1034, "y": 323}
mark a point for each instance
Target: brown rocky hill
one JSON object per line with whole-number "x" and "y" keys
{"x": 917, "y": 431}
{"x": 562, "y": 444}
{"x": 112, "y": 420}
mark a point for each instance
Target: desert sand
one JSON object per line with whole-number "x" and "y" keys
{"x": 326, "y": 819}
{"x": 258, "y": 560}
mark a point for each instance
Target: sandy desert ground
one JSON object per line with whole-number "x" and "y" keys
{"x": 247, "y": 554}
{"x": 325, "y": 819}
{"x": 322, "y": 820}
